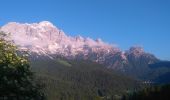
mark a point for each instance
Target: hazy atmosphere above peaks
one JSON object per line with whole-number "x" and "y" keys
{"x": 122, "y": 22}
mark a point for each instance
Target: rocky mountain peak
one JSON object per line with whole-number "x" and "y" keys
{"x": 44, "y": 38}
{"x": 136, "y": 51}
{"x": 46, "y": 24}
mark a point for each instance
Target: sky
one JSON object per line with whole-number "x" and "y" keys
{"x": 124, "y": 23}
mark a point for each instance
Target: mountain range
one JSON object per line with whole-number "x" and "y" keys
{"x": 46, "y": 39}
{"x": 81, "y": 68}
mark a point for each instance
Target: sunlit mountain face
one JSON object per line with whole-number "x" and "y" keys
{"x": 44, "y": 40}
{"x": 84, "y": 67}
{"x": 44, "y": 37}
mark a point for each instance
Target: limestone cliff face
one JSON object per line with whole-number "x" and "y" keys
{"x": 46, "y": 39}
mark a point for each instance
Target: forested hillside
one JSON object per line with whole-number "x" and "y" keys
{"x": 161, "y": 92}
{"x": 80, "y": 80}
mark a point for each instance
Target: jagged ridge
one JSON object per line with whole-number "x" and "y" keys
{"x": 45, "y": 39}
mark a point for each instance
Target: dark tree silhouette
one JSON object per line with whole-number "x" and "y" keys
{"x": 150, "y": 93}
{"x": 16, "y": 79}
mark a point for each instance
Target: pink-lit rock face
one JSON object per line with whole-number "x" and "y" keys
{"x": 45, "y": 36}
{"x": 46, "y": 39}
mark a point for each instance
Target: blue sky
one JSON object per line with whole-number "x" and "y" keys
{"x": 122, "y": 22}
